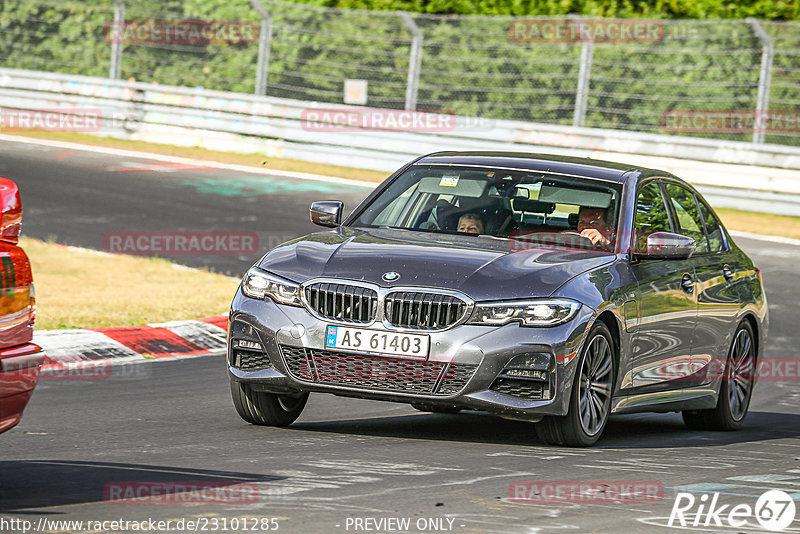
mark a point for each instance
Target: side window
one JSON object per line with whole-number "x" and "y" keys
{"x": 687, "y": 216}
{"x": 651, "y": 215}
{"x": 715, "y": 237}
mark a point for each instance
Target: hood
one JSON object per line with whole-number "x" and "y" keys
{"x": 483, "y": 267}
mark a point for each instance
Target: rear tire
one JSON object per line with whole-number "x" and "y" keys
{"x": 736, "y": 389}
{"x": 422, "y": 407}
{"x": 270, "y": 409}
{"x": 590, "y": 400}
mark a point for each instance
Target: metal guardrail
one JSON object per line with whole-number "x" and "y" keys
{"x": 238, "y": 122}
{"x": 568, "y": 70}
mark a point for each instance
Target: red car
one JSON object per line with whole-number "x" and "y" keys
{"x": 20, "y": 359}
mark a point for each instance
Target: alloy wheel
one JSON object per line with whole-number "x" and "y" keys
{"x": 595, "y": 385}
{"x": 740, "y": 374}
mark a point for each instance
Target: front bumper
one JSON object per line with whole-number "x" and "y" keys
{"x": 462, "y": 368}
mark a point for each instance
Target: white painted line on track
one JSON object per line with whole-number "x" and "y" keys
{"x": 187, "y": 161}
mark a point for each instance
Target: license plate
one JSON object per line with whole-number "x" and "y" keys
{"x": 377, "y": 341}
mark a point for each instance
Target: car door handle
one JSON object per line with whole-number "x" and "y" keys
{"x": 687, "y": 283}
{"x": 727, "y": 272}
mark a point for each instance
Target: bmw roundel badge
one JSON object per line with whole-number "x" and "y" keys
{"x": 391, "y": 276}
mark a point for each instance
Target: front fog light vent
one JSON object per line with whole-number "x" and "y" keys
{"x": 525, "y": 373}
{"x": 531, "y": 366}
{"x": 247, "y": 345}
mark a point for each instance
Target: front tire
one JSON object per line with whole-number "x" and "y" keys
{"x": 736, "y": 389}
{"x": 269, "y": 409}
{"x": 590, "y": 400}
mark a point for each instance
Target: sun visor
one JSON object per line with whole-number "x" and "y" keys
{"x": 578, "y": 197}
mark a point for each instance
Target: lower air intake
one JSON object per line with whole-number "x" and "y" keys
{"x": 395, "y": 375}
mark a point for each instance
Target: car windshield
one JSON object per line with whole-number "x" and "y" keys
{"x": 534, "y": 207}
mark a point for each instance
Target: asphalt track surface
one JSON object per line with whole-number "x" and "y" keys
{"x": 344, "y": 459}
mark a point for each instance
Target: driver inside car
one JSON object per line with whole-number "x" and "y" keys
{"x": 592, "y": 225}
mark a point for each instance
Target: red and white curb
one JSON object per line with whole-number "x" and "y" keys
{"x": 107, "y": 346}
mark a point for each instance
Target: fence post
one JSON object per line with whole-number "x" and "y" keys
{"x": 414, "y": 60}
{"x": 584, "y": 76}
{"x": 264, "y": 42}
{"x": 764, "y": 79}
{"x": 582, "y": 91}
{"x": 117, "y": 31}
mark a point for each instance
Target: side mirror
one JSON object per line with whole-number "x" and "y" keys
{"x": 668, "y": 246}
{"x": 327, "y": 213}
{"x": 11, "y": 209}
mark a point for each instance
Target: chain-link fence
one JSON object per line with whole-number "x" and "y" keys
{"x": 725, "y": 79}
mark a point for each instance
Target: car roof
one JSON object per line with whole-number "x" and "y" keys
{"x": 588, "y": 167}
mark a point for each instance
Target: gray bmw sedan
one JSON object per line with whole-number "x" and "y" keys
{"x": 549, "y": 289}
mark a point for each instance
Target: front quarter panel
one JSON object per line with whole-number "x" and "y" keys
{"x": 610, "y": 284}
{"x": 612, "y": 289}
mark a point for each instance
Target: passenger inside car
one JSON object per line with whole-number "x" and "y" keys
{"x": 470, "y": 223}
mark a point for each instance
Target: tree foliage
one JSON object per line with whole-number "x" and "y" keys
{"x": 470, "y": 66}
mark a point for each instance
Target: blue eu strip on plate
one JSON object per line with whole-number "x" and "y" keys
{"x": 330, "y": 341}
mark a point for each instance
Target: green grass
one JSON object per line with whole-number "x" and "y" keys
{"x": 760, "y": 223}
{"x": 84, "y": 289}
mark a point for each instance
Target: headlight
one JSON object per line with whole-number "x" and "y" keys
{"x": 527, "y": 312}
{"x": 257, "y": 284}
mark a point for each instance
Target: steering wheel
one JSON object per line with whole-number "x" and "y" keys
{"x": 584, "y": 242}
{"x": 559, "y": 239}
